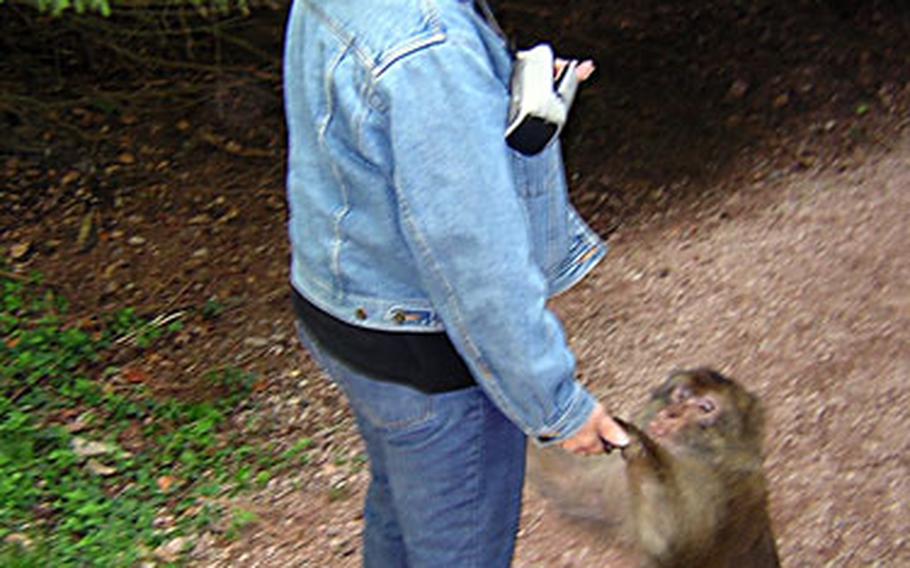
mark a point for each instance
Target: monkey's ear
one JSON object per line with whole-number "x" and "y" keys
{"x": 664, "y": 391}
{"x": 713, "y": 376}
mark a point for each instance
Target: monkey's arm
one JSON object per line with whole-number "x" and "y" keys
{"x": 592, "y": 487}
{"x": 667, "y": 519}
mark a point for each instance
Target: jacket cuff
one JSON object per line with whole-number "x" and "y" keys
{"x": 581, "y": 405}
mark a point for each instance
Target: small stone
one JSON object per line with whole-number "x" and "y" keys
{"x": 163, "y": 521}
{"x": 256, "y": 342}
{"x": 76, "y": 426}
{"x": 111, "y": 288}
{"x": 136, "y": 241}
{"x": 805, "y": 161}
{"x": 69, "y": 177}
{"x": 738, "y": 89}
{"x": 88, "y": 448}
{"x": 99, "y": 468}
{"x": 170, "y": 551}
{"x": 232, "y": 214}
{"x": 18, "y": 539}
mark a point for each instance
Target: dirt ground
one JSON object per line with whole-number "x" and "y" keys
{"x": 800, "y": 288}
{"x": 748, "y": 163}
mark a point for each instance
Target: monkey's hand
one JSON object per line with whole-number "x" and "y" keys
{"x": 641, "y": 450}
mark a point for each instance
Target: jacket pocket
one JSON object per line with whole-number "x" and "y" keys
{"x": 541, "y": 185}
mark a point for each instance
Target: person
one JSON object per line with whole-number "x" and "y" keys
{"x": 424, "y": 251}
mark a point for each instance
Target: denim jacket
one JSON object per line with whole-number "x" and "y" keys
{"x": 408, "y": 211}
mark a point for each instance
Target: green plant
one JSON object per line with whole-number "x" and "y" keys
{"x": 106, "y": 7}
{"x": 70, "y": 495}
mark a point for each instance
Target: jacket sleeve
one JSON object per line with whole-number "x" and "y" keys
{"x": 466, "y": 226}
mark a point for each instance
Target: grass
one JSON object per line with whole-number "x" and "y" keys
{"x": 71, "y": 494}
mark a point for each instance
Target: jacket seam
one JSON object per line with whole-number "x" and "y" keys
{"x": 362, "y": 116}
{"x": 416, "y": 43}
{"x": 345, "y": 204}
{"x": 406, "y": 49}
{"x": 341, "y": 34}
{"x": 578, "y": 400}
{"x": 378, "y": 68}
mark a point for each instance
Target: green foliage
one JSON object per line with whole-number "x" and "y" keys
{"x": 106, "y": 7}
{"x": 70, "y": 494}
{"x": 57, "y": 7}
{"x": 212, "y": 309}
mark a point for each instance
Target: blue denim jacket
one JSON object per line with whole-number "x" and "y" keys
{"x": 409, "y": 212}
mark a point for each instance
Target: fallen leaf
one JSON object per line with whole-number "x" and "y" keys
{"x": 20, "y": 250}
{"x": 166, "y": 483}
{"x": 135, "y": 376}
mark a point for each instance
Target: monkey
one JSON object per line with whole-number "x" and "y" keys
{"x": 689, "y": 489}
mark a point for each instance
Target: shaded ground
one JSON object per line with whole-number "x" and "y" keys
{"x": 750, "y": 164}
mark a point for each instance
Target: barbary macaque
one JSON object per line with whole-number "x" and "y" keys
{"x": 689, "y": 490}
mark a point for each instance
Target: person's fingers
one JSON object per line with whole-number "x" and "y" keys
{"x": 558, "y": 66}
{"x": 612, "y": 432}
{"x": 588, "y": 434}
{"x": 585, "y": 69}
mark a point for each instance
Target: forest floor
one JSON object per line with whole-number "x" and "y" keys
{"x": 749, "y": 166}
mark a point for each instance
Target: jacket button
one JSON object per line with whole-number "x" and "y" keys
{"x": 361, "y": 314}
{"x": 399, "y": 317}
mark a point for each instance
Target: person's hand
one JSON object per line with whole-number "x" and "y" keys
{"x": 599, "y": 428}
{"x": 583, "y": 70}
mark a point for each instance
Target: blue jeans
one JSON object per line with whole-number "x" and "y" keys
{"x": 447, "y": 473}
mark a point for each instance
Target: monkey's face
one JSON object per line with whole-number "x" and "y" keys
{"x": 701, "y": 410}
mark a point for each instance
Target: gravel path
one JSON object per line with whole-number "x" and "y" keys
{"x": 798, "y": 287}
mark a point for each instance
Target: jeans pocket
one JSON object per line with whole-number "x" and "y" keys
{"x": 385, "y": 406}
{"x": 388, "y": 407}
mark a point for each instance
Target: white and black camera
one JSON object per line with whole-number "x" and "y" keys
{"x": 539, "y": 107}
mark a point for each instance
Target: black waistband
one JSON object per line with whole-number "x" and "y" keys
{"x": 425, "y": 361}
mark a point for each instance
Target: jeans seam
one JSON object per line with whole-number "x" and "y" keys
{"x": 481, "y": 459}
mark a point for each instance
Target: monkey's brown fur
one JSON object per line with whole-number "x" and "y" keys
{"x": 689, "y": 490}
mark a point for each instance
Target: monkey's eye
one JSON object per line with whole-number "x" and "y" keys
{"x": 681, "y": 394}
{"x": 706, "y": 405}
